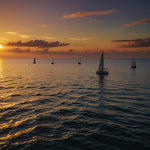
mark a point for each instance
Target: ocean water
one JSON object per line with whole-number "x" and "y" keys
{"x": 67, "y": 106}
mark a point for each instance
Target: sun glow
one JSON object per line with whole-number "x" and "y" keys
{"x": 1, "y": 46}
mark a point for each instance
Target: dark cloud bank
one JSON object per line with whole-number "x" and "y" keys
{"x": 37, "y": 43}
{"x": 134, "y": 42}
{"x": 73, "y": 53}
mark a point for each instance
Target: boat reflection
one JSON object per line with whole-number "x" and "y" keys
{"x": 101, "y": 82}
{"x": 101, "y": 79}
{"x": 102, "y": 90}
{"x": 133, "y": 71}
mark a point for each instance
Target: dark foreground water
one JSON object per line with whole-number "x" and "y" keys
{"x": 67, "y": 106}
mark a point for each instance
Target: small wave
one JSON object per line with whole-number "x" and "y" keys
{"x": 43, "y": 87}
{"x": 15, "y": 95}
{"x": 42, "y": 101}
{"x": 38, "y": 94}
{"x": 46, "y": 119}
{"x": 76, "y": 124}
{"x": 65, "y": 112}
{"x": 1, "y": 87}
{"x": 28, "y": 87}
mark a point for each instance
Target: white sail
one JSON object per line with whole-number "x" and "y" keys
{"x": 101, "y": 65}
{"x": 101, "y": 70}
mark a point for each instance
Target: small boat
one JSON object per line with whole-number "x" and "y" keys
{"x": 79, "y": 62}
{"x": 53, "y": 62}
{"x": 101, "y": 70}
{"x": 34, "y": 61}
{"x": 133, "y": 65}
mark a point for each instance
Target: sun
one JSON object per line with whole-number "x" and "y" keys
{"x": 1, "y": 46}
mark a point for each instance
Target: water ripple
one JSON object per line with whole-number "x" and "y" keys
{"x": 45, "y": 107}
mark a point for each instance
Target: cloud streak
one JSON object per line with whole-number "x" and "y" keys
{"x": 83, "y": 54}
{"x": 11, "y": 33}
{"x": 48, "y": 37}
{"x": 45, "y": 51}
{"x": 88, "y": 13}
{"x": 92, "y": 20}
{"x": 37, "y": 43}
{"x": 24, "y": 36}
{"x": 81, "y": 38}
{"x": 137, "y": 23}
{"x": 134, "y": 42}
{"x": 17, "y": 50}
{"x": 43, "y": 26}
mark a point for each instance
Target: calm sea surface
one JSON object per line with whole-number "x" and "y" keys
{"x": 67, "y": 106}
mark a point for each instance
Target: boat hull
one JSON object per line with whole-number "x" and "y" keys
{"x": 101, "y": 72}
{"x": 133, "y": 67}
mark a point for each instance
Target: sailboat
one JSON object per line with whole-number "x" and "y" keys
{"x": 53, "y": 62}
{"x": 133, "y": 65}
{"x": 79, "y": 61}
{"x": 34, "y": 61}
{"x": 101, "y": 70}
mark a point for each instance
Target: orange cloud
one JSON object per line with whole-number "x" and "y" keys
{"x": 85, "y": 14}
{"x": 137, "y": 22}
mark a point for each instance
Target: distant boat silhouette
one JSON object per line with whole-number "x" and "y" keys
{"x": 79, "y": 62}
{"x": 34, "y": 61}
{"x": 133, "y": 65}
{"x": 101, "y": 70}
{"x": 53, "y": 62}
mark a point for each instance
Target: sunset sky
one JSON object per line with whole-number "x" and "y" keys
{"x": 75, "y": 28}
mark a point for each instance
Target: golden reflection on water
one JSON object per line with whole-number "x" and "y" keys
{"x": 7, "y": 105}
{"x": 17, "y": 134}
{"x": 1, "y": 75}
{"x": 30, "y": 141}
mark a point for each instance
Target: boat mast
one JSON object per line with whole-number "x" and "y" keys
{"x": 101, "y": 65}
{"x": 133, "y": 62}
{"x": 34, "y": 60}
